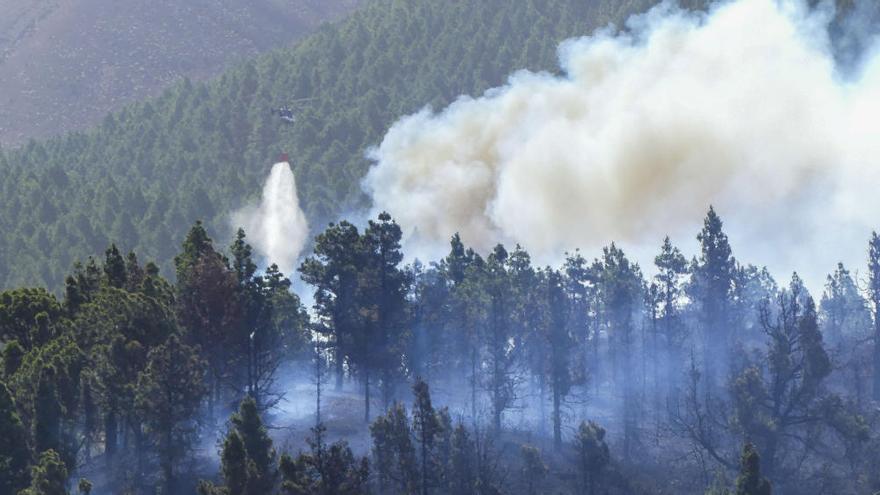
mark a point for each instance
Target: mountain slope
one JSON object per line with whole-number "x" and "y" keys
{"x": 64, "y": 63}
{"x": 199, "y": 150}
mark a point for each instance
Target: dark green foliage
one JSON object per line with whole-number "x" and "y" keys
{"x": 248, "y": 446}
{"x": 394, "y": 452}
{"x": 117, "y": 371}
{"x": 770, "y": 406}
{"x": 49, "y": 476}
{"x": 592, "y": 456}
{"x": 199, "y": 149}
{"x": 560, "y": 343}
{"x": 234, "y": 464}
{"x": 666, "y": 312}
{"x": 533, "y": 470}
{"x": 46, "y": 389}
{"x": 360, "y": 297}
{"x": 169, "y": 392}
{"x": 324, "y": 470}
{"x": 114, "y": 267}
{"x": 621, "y": 285}
{"x": 12, "y": 356}
{"x": 383, "y": 303}
{"x": 19, "y": 310}
{"x": 333, "y": 272}
{"x": 462, "y": 475}
{"x": 47, "y": 412}
{"x": 499, "y": 358}
{"x": 84, "y": 486}
{"x": 14, "y": 453}
{"x": 750, "y": 481}
{"x": 712, "y": 288}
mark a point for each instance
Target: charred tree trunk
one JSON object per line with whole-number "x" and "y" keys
{"x": 557, "y": 418}
{"x": 339, "y": 369}
{"x": 110, "y": 427}
{"x": 474, "y": 384}
{"x": 367, "y": 396}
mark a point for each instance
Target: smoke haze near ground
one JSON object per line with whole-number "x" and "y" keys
{"x": 277, "y": 228}
{"x": 742, "y": 108}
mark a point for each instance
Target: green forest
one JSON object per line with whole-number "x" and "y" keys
{"x": 145, "y": 348}
{"x": 470, "y": 375}
{"x": 199, "y": 151}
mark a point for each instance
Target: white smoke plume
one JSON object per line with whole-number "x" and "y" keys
{"x": 277, "y": 227}
{"x": 741, "y": 107}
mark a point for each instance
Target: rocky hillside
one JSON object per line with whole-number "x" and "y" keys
{"x": 65, "y": 63}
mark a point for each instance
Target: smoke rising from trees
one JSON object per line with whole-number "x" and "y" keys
{"x": 743, "y": 107}
{"x": 278, "y": 225}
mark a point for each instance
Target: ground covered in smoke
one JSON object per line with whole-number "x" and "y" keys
{"x": 551, "y": 370}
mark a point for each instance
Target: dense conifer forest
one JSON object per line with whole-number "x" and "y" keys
{"x": 200, "y": 150}
{"x": 469, "y": 375}
{"x": 143, "y": 351}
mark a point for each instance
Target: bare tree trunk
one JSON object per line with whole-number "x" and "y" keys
{"x": 557, "y": 419}
{"x": 474, "y": 384}
{"x": 110, "y": 427}
{"x": 367, "y": 396}
{"x": 339, "y": 370}
{"x": 542, "y": 391}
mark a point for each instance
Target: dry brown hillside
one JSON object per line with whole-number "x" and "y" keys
{"x": 65, "y": 63}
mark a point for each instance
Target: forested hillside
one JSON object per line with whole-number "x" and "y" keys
{"x": 199, "y": 150}
{"x": 65, "y": 63}
{"x": 583, "y": 378}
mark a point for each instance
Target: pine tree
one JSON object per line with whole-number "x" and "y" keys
{"x": 671, "y": 268}
{"x": 771, "y": 404}
{"x": 592, "y": 456}
{"x": 196, "y": 246}
{"x": 384, "y": 287}
{"x": 234, "y": 465}
{"x": 114, "y": 268}
{"x": 581, "y": 289}
{"x": 874, "y": 296}
{"x": 261, "y": 459}
{"x": 713, "y": 283}
{"x": 621, "y": 284}
{"x": 169, "y": 392}
{"x": 846, "y": 322}
{"x": 13, "y": 353}
{"x": 534, "y": 470}
{"x": 500, "y": 360}
{"x": 134, "y": 274}
{"x": 750, "y": 481}
{"x": 426, "y": 428}
{"x": 333, "y": 272}
{"x": 324, "y": 470}
{"x": 393, "y": 451}
{"x": 14, "y": 452}
{"x": 560, "y": 344}
{"x": 462, "y": 461}
{"x": 47, "y": 412}
{"x": 84, "y": 486}
{"x": 209, "y": 308}
{"x": 49, "y": 476}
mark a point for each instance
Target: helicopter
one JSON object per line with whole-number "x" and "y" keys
{"x": 286, "y": 113}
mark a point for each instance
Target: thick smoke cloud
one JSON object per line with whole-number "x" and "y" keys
{"x": 277, "y": 228}
{"x": 743, "y": 108}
